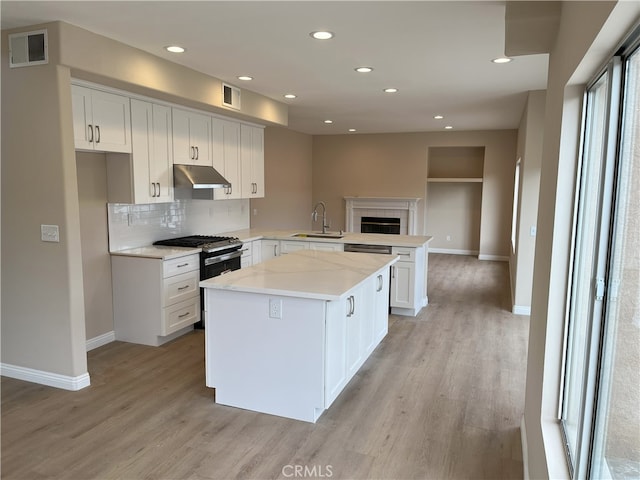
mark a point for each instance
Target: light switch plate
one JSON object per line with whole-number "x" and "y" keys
{"x": 49, "y": 233}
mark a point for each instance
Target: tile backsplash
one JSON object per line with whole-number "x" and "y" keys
{"x": 132, "y": 226}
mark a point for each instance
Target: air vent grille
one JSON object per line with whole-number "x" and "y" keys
{"x": 230, "y": 96}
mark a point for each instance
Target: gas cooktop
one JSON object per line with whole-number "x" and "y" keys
{"x": 205, "y": 242}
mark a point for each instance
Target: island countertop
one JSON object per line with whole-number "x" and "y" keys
{"x": 305, "y": 274}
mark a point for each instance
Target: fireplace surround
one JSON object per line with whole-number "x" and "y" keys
{"x": 383, "y": 207}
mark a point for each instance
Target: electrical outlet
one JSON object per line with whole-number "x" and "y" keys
{"x": 275, "y": 308}
{"x": 533, "y": 231}
{"x": 448, "y": 238}
{"x": 49, "y": 233}
{"x": 255, "y": 212}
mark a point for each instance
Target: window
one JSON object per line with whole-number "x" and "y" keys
{"x": 601, "y": 395}
{"x": 514, "y": 215}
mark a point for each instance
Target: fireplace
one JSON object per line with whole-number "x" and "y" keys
{"x": 402, "y": 208}
{"x": 380, "y": 225}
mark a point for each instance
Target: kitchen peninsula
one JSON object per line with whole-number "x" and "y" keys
{"x": 285, "y": 336}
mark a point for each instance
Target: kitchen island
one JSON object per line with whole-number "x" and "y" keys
{"x": 285, "y": 336}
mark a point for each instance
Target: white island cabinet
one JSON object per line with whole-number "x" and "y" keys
{"x": 285, "y": 336}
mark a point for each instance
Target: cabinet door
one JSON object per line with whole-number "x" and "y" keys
{"x": 354, "y": 314}
{"x": 292, "y": 246}
{"x": 256, "y": 256}
{"x": 252, "y": 161}
{"x": 111, "y": 122}
{"x": 402, "y": 284}
{"x": 326, "y": 247}
{"x": 161, "y": 161}
{"x": 82, "y": 123}
{"x": 381, "y": 306}
{"x": 141, "y": 133}
{"x": 231, "y": 154}
{"x": 191, "y": 138}
{"x": 269, "y": 249}
{"x": 336, "y": 354}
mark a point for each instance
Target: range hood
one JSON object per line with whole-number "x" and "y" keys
{"x": 198, "y": 176}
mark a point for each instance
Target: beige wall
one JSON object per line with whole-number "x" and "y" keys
{"x": 287, "y": 203}
{"x": 43, "y": 318}
{"x": 42, "y": 302}
{"x": 589, "y": 33}
{"x": 94, "y": 235}
{"x": 395, "y": 165}
{"x": 530, "y": 152}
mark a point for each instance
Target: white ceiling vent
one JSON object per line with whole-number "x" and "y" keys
{"x": 230, "y": 96}
{"x": 28, "y": 48}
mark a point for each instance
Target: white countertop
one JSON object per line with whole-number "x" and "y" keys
{"x": 412, "y": 241}
{"x": 160, "y": 252}
{"x": 306, "y": 274}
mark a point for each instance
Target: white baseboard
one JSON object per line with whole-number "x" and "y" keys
{"x": 45, "y": 378}
{"x": 521, "y": 310}
{"x": 101, "y": 340}
{"x": 525, "y": 451}
{"x": 452, "y": 251}
{"x": 498, "y": 258}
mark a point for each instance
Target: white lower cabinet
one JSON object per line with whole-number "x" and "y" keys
{"x": 408, "y": 282}
{"x": 326, "y": 247}
{"x": 288, "y": 246}
{"x": 300, "y": 361}
{"x": 154, "y": 301}
{"x": 269, "y": 249}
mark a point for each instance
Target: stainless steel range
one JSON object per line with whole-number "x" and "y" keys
{"x": 219, "y": 255}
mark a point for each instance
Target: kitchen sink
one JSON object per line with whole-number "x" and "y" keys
{"x": 318, "y": 235}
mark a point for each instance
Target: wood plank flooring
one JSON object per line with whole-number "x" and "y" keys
{"x": 440, "y": 398}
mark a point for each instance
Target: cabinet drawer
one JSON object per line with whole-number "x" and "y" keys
{"x": 180, "y": 315}
{"x": 180, "y": 287}
{"x": 178, "y": 265}
{"x": 406, "y": 254}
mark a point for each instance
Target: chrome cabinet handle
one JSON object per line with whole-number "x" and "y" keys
{"x": 97, "y": 134}
{"x": 193, "y": 153}
{"x": 90, "y": 133}
{"x": 153, "y": 194}
{"x": 182, "y": 265}
{"x": 184, "y": 315}
{"x": 393, "y": 271}
{"x": 182, "y": 288}
{"x": 275, "y": 250}
{"x": 159, "y": 189}
{"x": 379, "y": 283}
{"x": 197, "y": 153}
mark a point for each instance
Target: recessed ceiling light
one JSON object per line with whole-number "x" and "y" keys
{"x": 328, "y": 121}
{"x": 448, "y": 127}
{"x": 174, "y": 49}
{"x": 438, "y": 117}
{"x": 352, "y": 129}
{"x": 289, "y": 95}
{"x": 502, "y": 60}
{"x": 245, "y": 78}
{"x": 321, "y": 35}
{"x": 390, "y": 90}
{"x": 364, "y": 69}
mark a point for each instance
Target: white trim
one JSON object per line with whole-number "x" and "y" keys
{"x": 498, "y": 258}
{"x": 101, "y": 340}
{"x": 521, "y": 310}
{"x": 406, "y": 205}
{"x": 45, "y": 378}
{"x": 453, "y": 251}
{"x": 525, "y": 451}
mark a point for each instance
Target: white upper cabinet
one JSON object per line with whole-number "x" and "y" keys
{"x": 152, "y": 152}
{"x": 192, "y": 143}
{"x": 230, "y": 135}
{"x": 252, "y": 161}
{"x": 101, "y": 120}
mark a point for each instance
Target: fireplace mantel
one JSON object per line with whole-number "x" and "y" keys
{"x": 403, "y": 207}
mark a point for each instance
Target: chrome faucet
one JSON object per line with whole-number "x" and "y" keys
{"x": 314, "y": 215}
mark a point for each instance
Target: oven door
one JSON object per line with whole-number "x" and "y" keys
{"x": 213, "y": 265}
{"x": 219, "y": 265}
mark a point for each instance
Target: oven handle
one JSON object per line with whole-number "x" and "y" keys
{"x": 222, "y": 258}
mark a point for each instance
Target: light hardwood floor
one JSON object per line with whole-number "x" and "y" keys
{"x": 440, "y": 398}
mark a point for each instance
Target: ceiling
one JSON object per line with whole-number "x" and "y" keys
{"x": 437, "y": 54}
